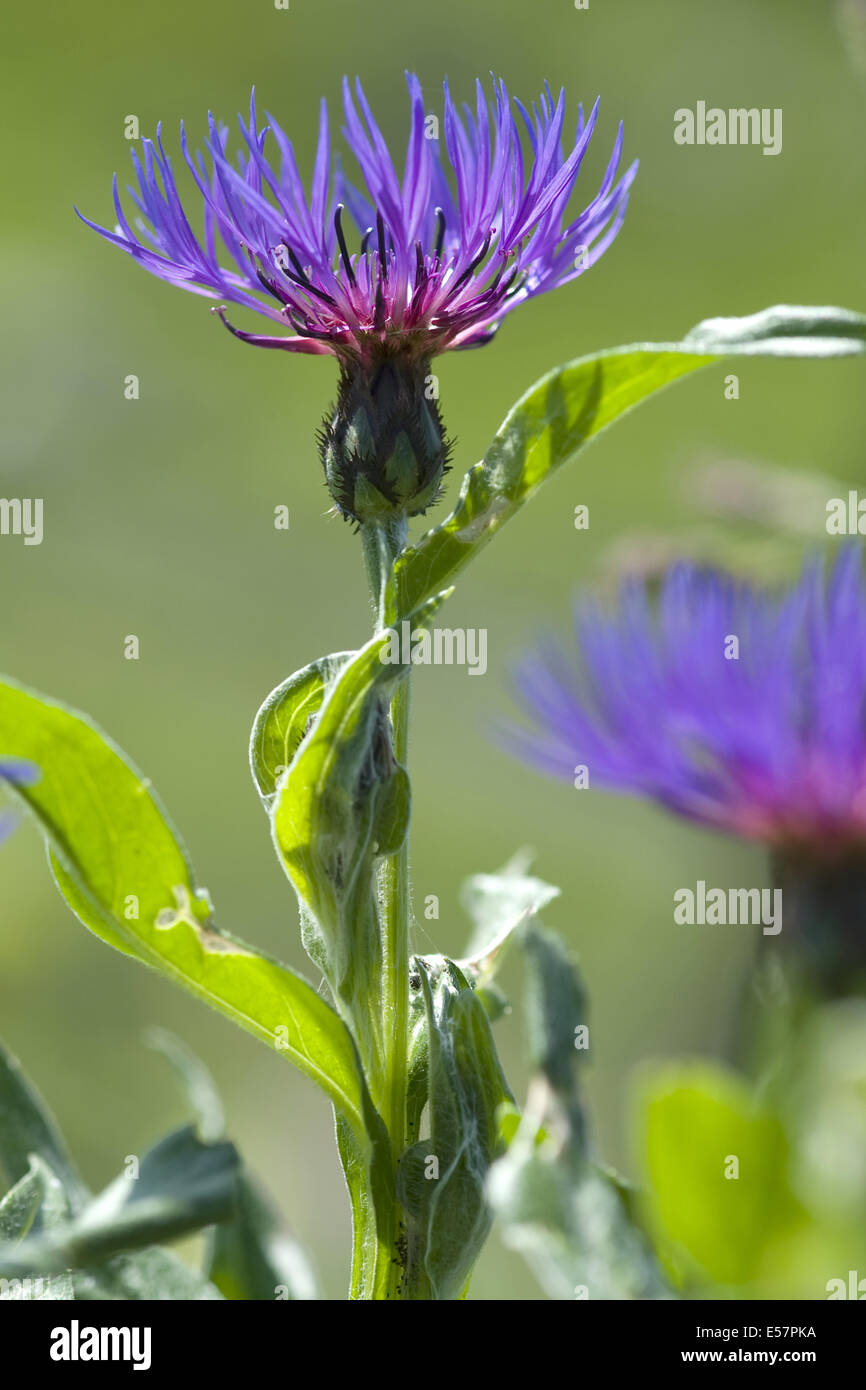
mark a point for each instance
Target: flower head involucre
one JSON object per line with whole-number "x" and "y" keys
{"x": 763, "y": 736}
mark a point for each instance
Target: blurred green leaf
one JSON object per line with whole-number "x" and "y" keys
{"x": 574, "y": 403}
{"x": 441, "y": 1179}
{"x": 19, "y": 1207}
{"x": 143, "y": 1276}
{"x": 570, "y": 1219}
{"x": 42, "y": 1289}
{"x": 27, "y": 1128}
{"x": 497, "y": 904}
{"x": 557, "y": 1028}
{"x": 570, "y": 1223}
{"x": 252, "y": 1256}
{"x": 125, "y": 874}
{"x": 716, "y": 1165}
{"x": 181, "y": 1185}
{"x": 34, "y": 1199}
{"x": 820, "y": 1091}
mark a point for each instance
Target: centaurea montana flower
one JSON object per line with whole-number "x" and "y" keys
{"x": 726, "y": 704}
{"x": 440, "y": 260}
{"x": 736, "y": 709}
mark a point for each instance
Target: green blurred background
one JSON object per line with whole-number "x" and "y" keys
{"x": 158, "y": 512}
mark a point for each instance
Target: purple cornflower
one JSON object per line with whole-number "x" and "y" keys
{"x": 436, "y": 262}
{"x": 726, "y": 705}
{"x": 14, "y": 772}
{"x": 436, "y": 267}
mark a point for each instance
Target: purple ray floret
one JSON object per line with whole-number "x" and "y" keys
{"x": 771, "y": 746}
{"x": 437, "y": 257}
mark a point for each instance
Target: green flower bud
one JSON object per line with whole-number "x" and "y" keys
{"x": 383, "y": 446}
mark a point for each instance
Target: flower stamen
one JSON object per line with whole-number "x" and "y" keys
{"x": 344, "y": 250}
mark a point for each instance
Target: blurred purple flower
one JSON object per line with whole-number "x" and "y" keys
{"x": 14, "y": 772}
{"x": 438, "y": 264}
{"x": 771, "y": 746}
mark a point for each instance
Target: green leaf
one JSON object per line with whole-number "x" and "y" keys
{"x": 340, "y": 808}
{"x": 19, "y": 1207}
{"x": 337, "y": 811}
{"x": 821, "y": 1090}
{"x": 181, "y": 1185}
{"x": 285, "y": 719}
{"x": 27, "y": 1128}
{"x": 715, "y": 1162}
{"x": 143, "y": 1276}
{"x": 441, "y": 1179}
{"x": 556, "y": 1022}
{"x": 498, "y": 904}
{"x": 343, "y": 802}
{"x": 252, "y": 1256}
{"x": 125, "y": 874}
{"x": 59, "y": 1288}
{"x": 570, "y": 1224}
{"x": 43, "y": 1191}
{"x": 370, "y": 1188}
{"x": 32, "y": 1155}
{"x": 567, "y": 1217}
{"x": 574, "y": 403}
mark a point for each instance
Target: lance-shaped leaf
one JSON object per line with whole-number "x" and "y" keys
{"x": 35, "y": 1204}
{"x": 143, "y": 1276}
{"x": 126, "y": 875}
{"x": 370, "y": 1185}
{"x": 253, "y": 1256}
{"x": 285, "y": 719}
{"x": 441, "y": 1179}
{"x": 250, "y": 1255}
{"x": 574, "y": 403}
{"x": 557, "y": 1028}
{"x": 21, "y": 1205}
{"x": 28, "y": 1128}
{"x": 569, "y": 1218}
{"x": 342, "y": 805}
{"x": 181, "y": 1185}
{"x": 497, "y": 905}
{"x": 343, "y": 802}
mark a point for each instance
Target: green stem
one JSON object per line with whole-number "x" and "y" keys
{"x": 394, "y": 897}
{"x": 382, "y": 544}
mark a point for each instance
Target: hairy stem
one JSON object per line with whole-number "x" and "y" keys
{"x": 394, "y": 897}
{"x": 383, "y": 542}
